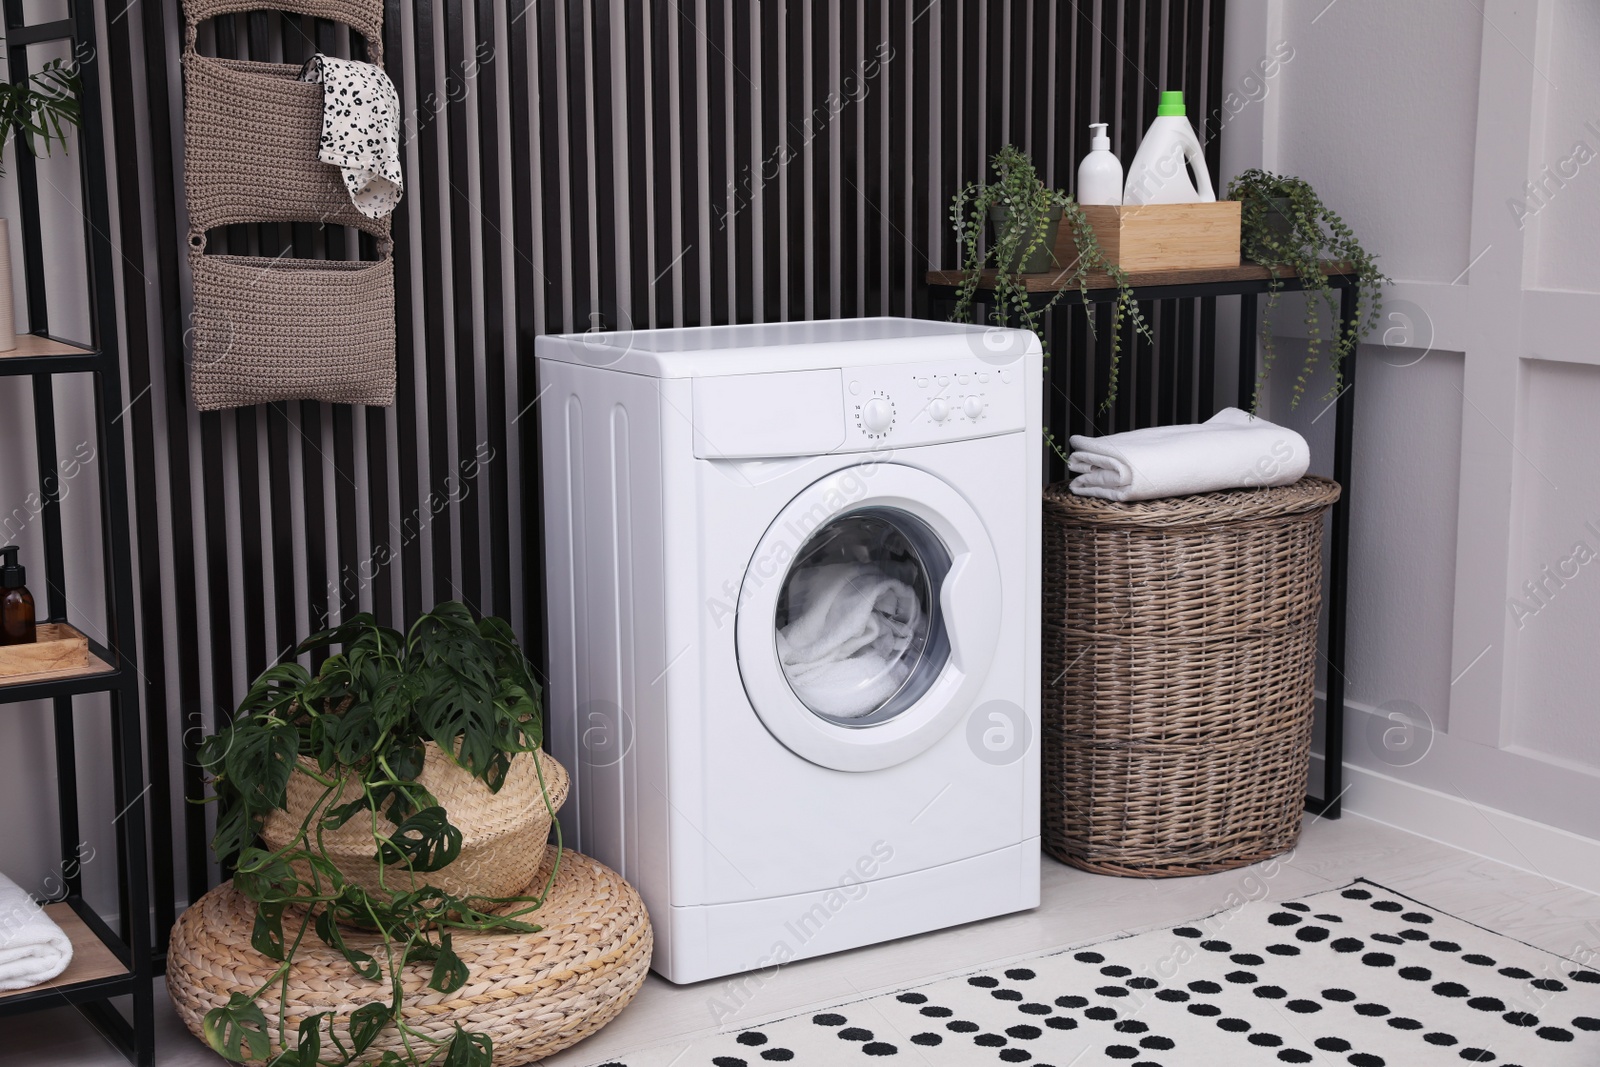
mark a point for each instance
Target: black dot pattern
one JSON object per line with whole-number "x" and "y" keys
{"x": 1359, "y": 976}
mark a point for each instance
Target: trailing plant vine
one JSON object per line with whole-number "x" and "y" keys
{"x": 360, "y": 724}
{"x": 1028, "y": 206}
{"x": 1284, "y": 223}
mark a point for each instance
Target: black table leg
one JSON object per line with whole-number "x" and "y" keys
{"x": 1246, "y": 391}
{"x": 1328, "y": 805}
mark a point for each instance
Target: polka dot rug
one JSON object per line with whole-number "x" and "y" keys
{"x": 1359, "y": 976}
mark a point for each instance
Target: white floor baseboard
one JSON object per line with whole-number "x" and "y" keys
{"x": 1531, "y": 846}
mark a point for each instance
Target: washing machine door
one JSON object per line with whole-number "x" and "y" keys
{"x": 868, "y": 617}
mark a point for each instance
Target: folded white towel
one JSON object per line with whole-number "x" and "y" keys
{"x": 1230, "y": 450}
{"x": 844, "y": 648}
{"x": 360, "y": 130}
{"x": 33, "y": 949}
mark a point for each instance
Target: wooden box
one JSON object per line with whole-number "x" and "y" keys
{"x": 59, "y": 650}
{"x": 1143, "y": 237}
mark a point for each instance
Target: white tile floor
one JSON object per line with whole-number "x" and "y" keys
{"x": 1077, "y": 908}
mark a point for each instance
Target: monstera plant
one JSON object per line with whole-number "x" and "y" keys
{"x": 354, "y": 742}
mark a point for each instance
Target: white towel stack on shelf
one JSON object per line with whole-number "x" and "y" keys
{"x": 33, "y": 949}
{"x": 1233, "y": 449}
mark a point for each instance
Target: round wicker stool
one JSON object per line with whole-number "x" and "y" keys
{"x": 534, "y": 994}
{"x": 1179, "y": 662}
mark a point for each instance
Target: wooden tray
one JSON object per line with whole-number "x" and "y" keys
{"x": 61, "y": 649}
{"x": 1164, "y": 236}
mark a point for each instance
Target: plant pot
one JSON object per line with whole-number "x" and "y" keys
{"x": 1043, "y": 257}
{"x": 502, "y": 834}
{"x": 1279, "y": 218}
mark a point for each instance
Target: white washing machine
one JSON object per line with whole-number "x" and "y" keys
{"x": 793, "y": 588}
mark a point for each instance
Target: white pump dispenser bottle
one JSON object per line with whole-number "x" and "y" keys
{"x": 1100, "y": 173}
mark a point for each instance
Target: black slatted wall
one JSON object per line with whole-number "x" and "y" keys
{"x": 573, "y": 165}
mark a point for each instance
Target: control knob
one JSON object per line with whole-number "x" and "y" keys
{"x": 973, "y": 407}
{"x": 877, "y": 415}
{"x": 938, "y": 410}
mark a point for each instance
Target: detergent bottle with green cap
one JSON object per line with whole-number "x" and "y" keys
{"x": 1157, "y": 174}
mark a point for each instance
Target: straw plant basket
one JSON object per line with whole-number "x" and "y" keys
{"x": 1179, "y": 657}
{"x": 534, "y": 994}
{"x": 503, "y": 834}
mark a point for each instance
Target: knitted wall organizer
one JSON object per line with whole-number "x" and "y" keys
{"x": 270, "y": 328}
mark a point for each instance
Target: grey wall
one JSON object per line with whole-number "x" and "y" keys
{"x": 1472, "y": 720}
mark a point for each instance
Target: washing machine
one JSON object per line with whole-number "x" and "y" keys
{"x": 792, "y": 575}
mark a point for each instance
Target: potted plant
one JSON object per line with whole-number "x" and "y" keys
{"x": 1284, "y": 223}
{"x": 40, "y": 110}
{"x": 1026, "y": 214}
{"x": 364, "y": 751}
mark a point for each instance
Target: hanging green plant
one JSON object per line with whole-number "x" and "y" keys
{"x": 40, "y": 109}
{"x": 1285, "y": 224}
{"x": 1026, "y": 214}
{"x": 359, "y": 729}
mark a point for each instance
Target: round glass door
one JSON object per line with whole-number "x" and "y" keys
{"x": 859, "y": 629}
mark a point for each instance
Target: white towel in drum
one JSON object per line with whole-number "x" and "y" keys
{"x": 360, "y": 130}
{"x": 849, "y": 628}
{"x": 33, "y": 949}
{"x": 1230, "y": 450}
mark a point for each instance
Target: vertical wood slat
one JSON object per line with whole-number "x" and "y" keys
{"x": 769, "y": 158}
{"x": 461, "y": 482}
{"x": 636, "y": 127}
{"x": 431, "y": 252}
{"x": 741, "y": 192}
{"x": 776, "y": 166}
{"x": 687, "y": 126}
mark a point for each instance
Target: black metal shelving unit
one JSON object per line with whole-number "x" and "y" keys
{"x": 107, "y": 963}
{"x": 1194, "y": 393}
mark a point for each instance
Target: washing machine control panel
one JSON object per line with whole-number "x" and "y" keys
{"x": 915, "y": 404}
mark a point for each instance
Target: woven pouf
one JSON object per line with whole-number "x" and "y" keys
{"x": 1179, "y": 649}
{"x": 534, "y": 994}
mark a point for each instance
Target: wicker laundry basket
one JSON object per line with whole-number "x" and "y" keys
{"x": 533, "y": 993}
{"x": 1179, "y": 660}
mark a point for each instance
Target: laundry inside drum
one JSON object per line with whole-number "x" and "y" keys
{"x": 859, "y": 630}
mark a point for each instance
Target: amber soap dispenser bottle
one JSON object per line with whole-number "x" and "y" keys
{"x": 16, "y": 603}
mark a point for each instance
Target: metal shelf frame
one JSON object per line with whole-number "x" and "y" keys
{"x": 44, "y": 358}
{"x": 1248, "y": 283}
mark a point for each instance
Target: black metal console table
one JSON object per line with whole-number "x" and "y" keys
{"x": 1180, "y": 387}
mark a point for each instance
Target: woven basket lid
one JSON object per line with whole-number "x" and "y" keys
{"x": 1311, "y": 493}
